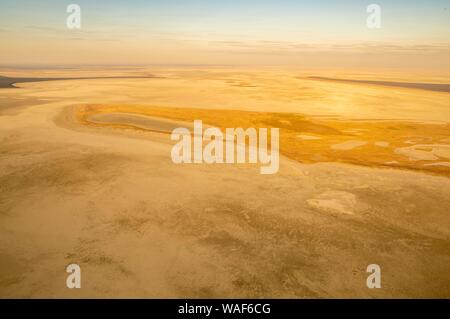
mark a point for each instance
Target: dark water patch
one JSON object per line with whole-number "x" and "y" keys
{"x": 438, "y": 87}
{"x": 8, "y": 82}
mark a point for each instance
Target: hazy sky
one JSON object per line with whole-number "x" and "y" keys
{"x": 306, "y": 33}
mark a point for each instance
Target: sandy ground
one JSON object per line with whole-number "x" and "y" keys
{"x": 140, "y": 226}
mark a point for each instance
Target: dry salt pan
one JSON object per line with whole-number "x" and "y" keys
{"x": 425, "y": 152}
{"x": 308, "y": 137}
{"x": 349, "y": 145}
{"x": 382, "y": 144}
{"x": 447, "y": 164}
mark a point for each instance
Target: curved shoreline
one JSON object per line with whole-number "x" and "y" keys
{"x": 8, "y": 82}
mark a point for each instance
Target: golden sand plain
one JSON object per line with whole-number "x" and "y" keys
{"x": 108, "y": 197}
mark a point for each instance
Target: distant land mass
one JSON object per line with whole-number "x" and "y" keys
{"x": 438, "y": 87}
{"x": 8, "y": 82}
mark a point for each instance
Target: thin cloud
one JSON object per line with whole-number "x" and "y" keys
{"x": 274, "y": 47}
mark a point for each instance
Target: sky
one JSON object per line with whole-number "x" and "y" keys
{"x": 320, "y": 33}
